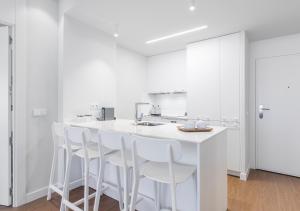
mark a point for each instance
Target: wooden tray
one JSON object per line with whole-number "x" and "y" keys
{"x": 181, "y": 128}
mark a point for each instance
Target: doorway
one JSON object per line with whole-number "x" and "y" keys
{"x": 278, "y": 114}
{"x": 6, "y": 135}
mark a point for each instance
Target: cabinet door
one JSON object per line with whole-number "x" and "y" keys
{"x": 167, "y": 72}
{"x": 233, "y": 150}
{"x": 203, "y": 80}
{"x": 230, "y": 76}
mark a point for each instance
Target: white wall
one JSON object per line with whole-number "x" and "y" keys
{"x": 88, "y": 68}
{"x": 167, "y": 73}
{"x": 7, "y": 12}
{"x": 267, "y": 48}
{"x": 131, "y": 82}
{"x": 96, "y": 71}
{"x": 20, "y": 75}
{"x": 41, "y": 92}
{"x": 171, "y": 104}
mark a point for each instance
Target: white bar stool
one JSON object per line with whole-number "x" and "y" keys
{"x": 160, "y": 167}
{"x": 58, "y": 144}
{"x": 121, "y": 159}
{"x": 75, "y": 135}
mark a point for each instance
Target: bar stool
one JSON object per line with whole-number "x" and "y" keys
{"x": 161, "y": 167}
{"x": 121, "y": 159}
{"x": 75, "y": 135}
{"x": 58, "y": 144}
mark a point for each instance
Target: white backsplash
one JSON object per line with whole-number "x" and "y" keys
{"x": 170, "y": 104}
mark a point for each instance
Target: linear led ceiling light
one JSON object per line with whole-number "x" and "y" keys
{"x": 177, "y": 34}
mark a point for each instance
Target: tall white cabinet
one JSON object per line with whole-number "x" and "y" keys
{"x": 216, "y": 90}
{"x": 167, "y": 73}
{"x": 203, "y": 87}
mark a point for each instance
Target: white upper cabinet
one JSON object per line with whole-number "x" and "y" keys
{"x": 203, "y": 89}
{"x": 230, "y": 53}
{"x": 167, "y": 72}
{"x": 213, "y": 78}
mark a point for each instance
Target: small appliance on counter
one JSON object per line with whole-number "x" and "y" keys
{"x": 106, "y": 113}
{"x": 155, "y": 111}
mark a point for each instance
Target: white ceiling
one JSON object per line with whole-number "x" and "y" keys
{"x": 142, "y": 20}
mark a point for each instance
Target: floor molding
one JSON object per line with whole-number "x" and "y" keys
{"x": 233, "y": 173}
{"x": 244, "y": 175}
{"x": 42, "y": 192}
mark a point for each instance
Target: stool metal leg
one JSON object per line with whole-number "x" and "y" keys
{"x": 65, "y": 195}
{"x": 82, "y": 170}
{"x": 99, "y": 185}
{"x": 86, "y": 185}
{"x": 53, "y": 168}
{"x": 119, "y": 187}
{"x": 134, "y": 193}
{"x": 173, "y": 195}
{"x": 157, "y": 195}
{"x": 125, "y": 189}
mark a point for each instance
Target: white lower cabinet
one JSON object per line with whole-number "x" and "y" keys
{"x": 233, "y": 151}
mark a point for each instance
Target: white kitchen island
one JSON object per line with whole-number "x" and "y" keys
{"x": 206, "y": 150}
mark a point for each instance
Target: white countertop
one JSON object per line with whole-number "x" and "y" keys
{"x": 167, "y": 130}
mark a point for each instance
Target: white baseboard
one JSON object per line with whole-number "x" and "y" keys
{"x": 234, "y": 173}
{"x": 244, "y": 175}
{"x": 42, "y": 192}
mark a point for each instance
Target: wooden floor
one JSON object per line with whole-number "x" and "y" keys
{"x": 263, "y": 191}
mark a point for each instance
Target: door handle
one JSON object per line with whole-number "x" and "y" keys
{"x": 261, "y": 110}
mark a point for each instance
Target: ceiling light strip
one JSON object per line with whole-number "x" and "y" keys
{"x": 177, "y": 34}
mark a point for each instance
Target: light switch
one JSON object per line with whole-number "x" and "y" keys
{"x": 39, "y": 112}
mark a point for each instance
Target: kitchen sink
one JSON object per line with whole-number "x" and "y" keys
{"x": 148, "y": 124}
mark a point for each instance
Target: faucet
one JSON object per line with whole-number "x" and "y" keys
{"x": 137, "y": 118}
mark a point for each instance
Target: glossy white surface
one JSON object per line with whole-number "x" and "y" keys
{"x": 167, "y": 130}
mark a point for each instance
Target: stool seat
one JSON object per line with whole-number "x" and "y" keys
{"x": 159, "y": 172}
{"x": 161, "y": 166}
{"x": 117, "y": 160}
{"x": 73, "y": 147}
{"x": 93, "y": 152}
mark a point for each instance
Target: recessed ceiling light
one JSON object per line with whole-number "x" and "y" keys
{"x": 192, "y": 8}
{"x": 116, "y": 31}
{"x": 192, "y": 5}
{"x": 177, "y": 34}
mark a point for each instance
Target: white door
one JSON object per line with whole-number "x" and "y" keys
{"x": 5, "y": 151}
{"x": 278, "y": 114}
